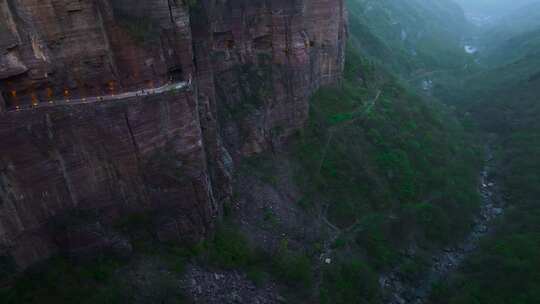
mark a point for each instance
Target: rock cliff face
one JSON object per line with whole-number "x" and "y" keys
{"x": 71, "y": 48}
{"x": 266, "y": 58}
{"x": 69, "y": 172}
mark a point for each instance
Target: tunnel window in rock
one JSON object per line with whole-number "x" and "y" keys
{"x": 67, "y": 94}
{"x": 10, "y": 99}
{"x": 176, "y": 74}
{"x": 11, "y": 95}
{"x": 112, "y": 87}
{"x": 34, "y": 99}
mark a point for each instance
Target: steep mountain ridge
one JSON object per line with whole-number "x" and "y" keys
{"x": 513, "y": 36}
{"x": 409, "y": 36}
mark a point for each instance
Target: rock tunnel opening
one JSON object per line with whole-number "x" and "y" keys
{"x": 5, "y": 100}
{"x": 176, "y": 74}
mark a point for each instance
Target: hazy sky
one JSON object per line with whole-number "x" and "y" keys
{"x": 493, "y": 7}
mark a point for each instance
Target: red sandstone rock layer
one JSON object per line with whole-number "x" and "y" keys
{"x": 68, "y": 173}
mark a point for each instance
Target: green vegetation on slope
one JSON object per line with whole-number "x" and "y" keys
{"x": 229, "y": 249}
{"x": 505, "y": 101}
{"x": 394, "y": 173}
{"x": 407, "y": 36}
{"x": 104, "y": 280}
{"x": 392, "y": 170}
{"x": 512, "y": 37}
{"x": 506, "y": 268}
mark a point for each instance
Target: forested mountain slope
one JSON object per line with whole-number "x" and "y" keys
{"x": 505, "y": 101}
{"x": 409, "y": 35}
{"x": 394, "y": 173}
{"x": 505, "y": 269}
{"x": 376, "y": 180}
{"x": 512, "y": 37}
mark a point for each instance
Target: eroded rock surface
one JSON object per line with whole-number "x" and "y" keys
{"x": 68, "y": 172}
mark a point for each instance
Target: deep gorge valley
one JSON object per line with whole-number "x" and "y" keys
{"x": 270, "y": 151}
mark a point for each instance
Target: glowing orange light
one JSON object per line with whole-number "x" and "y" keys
{"x": 111, "y": 87}
{"x": 49, "y": 93}
{"x": 34, "y": 99}
{"x": 14, "y": 93}
{"x": 66, "y": 94}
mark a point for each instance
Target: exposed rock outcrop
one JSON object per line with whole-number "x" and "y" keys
{"x": 68, "y": 172}
{"x": 72, "y": 166}
{"x": 267, "y": 58}
{"x": 64, "y": 48}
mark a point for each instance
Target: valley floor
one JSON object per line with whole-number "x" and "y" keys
{"x": 445, "y": 261}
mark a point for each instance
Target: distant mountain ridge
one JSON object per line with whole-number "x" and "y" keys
{"x": 420, "y": 34}
{"x": 515, "y": 35}
{"x": 491, "y": 7}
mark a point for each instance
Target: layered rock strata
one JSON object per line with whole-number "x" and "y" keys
{"x": 68, "y": 173}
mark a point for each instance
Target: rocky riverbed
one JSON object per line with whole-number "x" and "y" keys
{"x": 401, "y": 290}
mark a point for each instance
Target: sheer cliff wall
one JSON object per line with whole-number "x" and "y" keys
{"x": 68, "y": 172}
